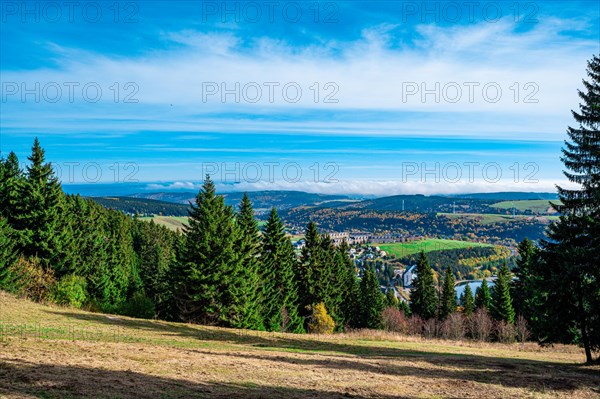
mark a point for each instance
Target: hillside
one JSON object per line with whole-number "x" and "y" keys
{"x": 142, "y": 206}
{"x": 533, "y": 206}
{"x": 262, "y": 200}
{"x": 55, "y": 352}
{"x": 509, "y": 196}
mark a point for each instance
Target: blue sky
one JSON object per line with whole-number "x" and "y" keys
{"x": 336, "y": 97}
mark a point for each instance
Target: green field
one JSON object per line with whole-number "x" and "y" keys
{"x": 536, "y": 206}
{"x": 401, "y": 249}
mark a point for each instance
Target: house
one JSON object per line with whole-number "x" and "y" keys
{"x": 409, "y": 275}
{"x": 338, "y": 238}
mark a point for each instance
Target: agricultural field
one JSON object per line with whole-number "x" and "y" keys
{"x": 56, "y": 352}
{"x": 492, "y": 218}
{"x": 402, "y": 249}
{"x": 535, "y": 206}
{"x": 177, "y": 222}
{"x": 171, "y": 222}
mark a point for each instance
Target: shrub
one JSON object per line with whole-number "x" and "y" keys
{"x": 414, "y": 326}
{"x": 321, "y": 322}
{"x": 140, "y": 306}
{"x": 393, "y": 320}
{"x": 31, "y": 279}
{"x": 454, "y": 327}
{"x": 505, "y": 332}
{"x": 480, "y": 325}
{"x": 430, "y": 328}
{"x": 522, "y": 329}
{"x": 70, "y": 290}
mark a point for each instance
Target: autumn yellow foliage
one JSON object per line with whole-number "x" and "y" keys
{"x": 321, "y": 322}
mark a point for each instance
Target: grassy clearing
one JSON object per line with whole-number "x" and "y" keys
{"x": 171, "y": 222}
{"x": 537, "y": 206}
{"x": 54, "y": 352}
{"x": 401, "y": 249}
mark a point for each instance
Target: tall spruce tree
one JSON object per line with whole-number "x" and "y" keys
{"x": 7, "y": 253}
{"x": 501, "y": 304}
{"x": 350, "y": 288}
{"x": 11, "y": 177}
{"x": 279, "y": 292}
{"x": 468, "y": 302}
{"x": 248, "y": 247}
{"x": 448, "y": 296}
{"x": 155, "y": 247}
{"x": 372, "y": 300}
{"x": 571, "y": 255}
{"x": 312, "y": 274}
{"x": 332, "y": 269}
{"x": 390, "y": 299}
{"x": 39, "y": 217}
{"x": 423, "y": 298}
{"x": 483, "y": 296}
{"x": 209, "y": 261}
{"x": 524, "y": 288}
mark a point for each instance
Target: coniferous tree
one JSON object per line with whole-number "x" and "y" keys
{"x": 155, "y": 247}
{"x": 91, "y": 244}
{"x": 372, "y": 301}
{"x": 571, "y": 255}
{"x": 279, "y": 292}
{"x": 390, "y": 299}
{"x": 11, "y": 178}
{"x": 483, "y": 296}
{"x": 7, "y": 253}
{"x": 403, "y": 306}
{"x": 209, "y": 262}
{"x": 350, "y": 288}
{"x": 525, "y": 286}
{"x": 248, "y": 247}
{"x": 117, "y": 279}
{"x": 332, "y": 270}
{"x": 38, "y": 216}
{"x": 468, "y": 302}
{"x": 312, "y": 271}
{"x": 448, "y": 296}
{"x": 423, "y": 298}
{"x": 501, "y": 304}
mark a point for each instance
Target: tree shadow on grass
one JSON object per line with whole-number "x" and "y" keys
{"x": 535, "y": 376}
{"x": 22, "y": 378}
{"x": 508, "y": 372}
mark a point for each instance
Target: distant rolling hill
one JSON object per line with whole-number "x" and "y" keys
{"x": 142, "y": 206}
{"x": 176, "y": 203}
{"x": 468, "y": 203}
{"x": 262, "y": 200}
{"x": 508, "y": 196}
{"x": 422, "y": 204}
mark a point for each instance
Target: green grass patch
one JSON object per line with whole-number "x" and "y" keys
{"x": 402, "y": 249}
{"x": 536, "y": 206}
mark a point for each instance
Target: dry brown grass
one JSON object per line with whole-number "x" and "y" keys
{"x": 53, "y": 352}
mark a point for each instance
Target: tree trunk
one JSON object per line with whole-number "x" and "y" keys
{"x": 584, "y": 334}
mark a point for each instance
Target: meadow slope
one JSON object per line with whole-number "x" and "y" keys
{"x": 54, "y": 352}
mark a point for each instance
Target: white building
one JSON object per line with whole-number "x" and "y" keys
{"x": 409, "y": 275}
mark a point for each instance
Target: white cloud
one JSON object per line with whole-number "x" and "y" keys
{"x": 381, "y": 188}
{"x": 370, "y": 74}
